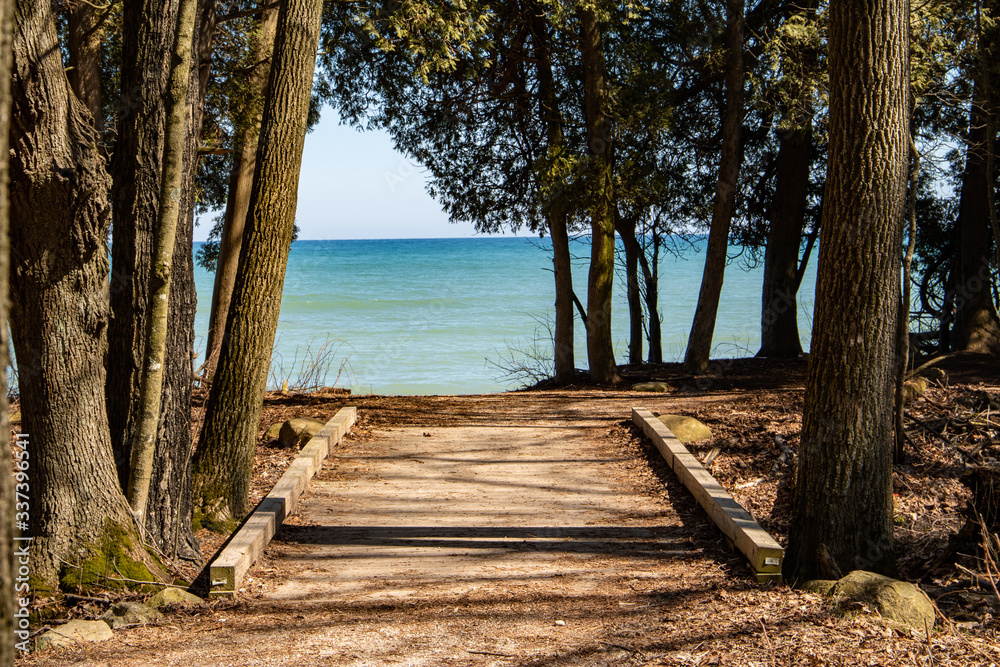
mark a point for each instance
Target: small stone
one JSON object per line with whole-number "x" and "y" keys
{"x": 75, "y": 632}
{"x": 686, "y": 429}
{"x": 656, "y": 387}
{"x": 273, "y": 431}
{"x": 560, "y": 623}
{"x": 132, "y": 613}
{"x": 298, "y": 431}
{"x": 173, "y": 596}
{"x": 914, "y": 389}
{"x": 819, "y": 586}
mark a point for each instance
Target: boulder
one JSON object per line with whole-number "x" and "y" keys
{"x": 687, "y": 429}
{"x": 273, "y": 431}
{"x": 74, "y": 632}
{"x": 895, "y": 600}
{"x": 132, "y": 613}
{"x": 173, "y": 596}
{"x": 657, "y": 387}
{"x": 298, "y": 431}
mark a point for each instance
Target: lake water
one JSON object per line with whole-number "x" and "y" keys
{"x": 436, "y": 316}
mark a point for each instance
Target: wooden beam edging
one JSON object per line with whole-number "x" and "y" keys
{"x": 757, "y": 545}
{"x": 227, "y": 571}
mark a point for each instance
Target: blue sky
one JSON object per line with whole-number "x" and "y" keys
{"x": 354, "y": 185}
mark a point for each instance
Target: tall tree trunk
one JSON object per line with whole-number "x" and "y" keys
{"x": 85, "y": 58}
{"x": 80, "y": 520}
{"x": 176, "y": 134}
{"x": 238, "y": 201}
{"x": 626, "y": 230}
{"x": 147, "y": 42}
{"x": 555, "y": 208}
{"x": 651, "y": 278}
{"x": 8, "y": 590}
{"x": 170, "y": 510}
{"x": 600, "y": 281}
{"x": 779, "y": 321}
{"x": 976, "y": 325}
{"x": 224, "y": 457}
{"x": 842, "y": 513}
{"x": 699, "y": 345}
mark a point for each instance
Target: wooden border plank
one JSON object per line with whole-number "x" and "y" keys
{"x": 764, "y": 553}
{"x": 227, "y": 571}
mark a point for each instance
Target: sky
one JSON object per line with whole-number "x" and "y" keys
{"x": 354, "y": 185}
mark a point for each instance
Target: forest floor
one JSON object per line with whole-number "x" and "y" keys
{"x": 541, "y": 528}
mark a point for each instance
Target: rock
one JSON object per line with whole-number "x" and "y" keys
{"x": 819, "y": 586}
{"x": 657, "y": 387}
{"x": 273, "y": 431}
{"x": 173, "y": 596}
{"x": 132, "y": 613}
{"x": 298, "y": 431}
{"x": 914, "y": 389}
{"x": 687, "y": 429}
{"x": 895, "y": 600}
{"x": 75, "y": 632}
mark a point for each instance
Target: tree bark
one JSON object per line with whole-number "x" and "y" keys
{"x": 147, "y": 42}
{"x": 224, "y": 457}
{"x": 555, "y": 209}
{"x": 85, "y": 58}
{"x": 626, "y": 230}
{"x": 843, "y": 496}
{"x": 600, "y": 280}
{"x": 779, "y": 321}
{"x": 976, "y": 324}
{"x": 144, "y": 441}
{"x": 81, "y": 524}
{"x": 699, "y": 347}
{"x": 238, "y": 201}
{"x": 650, "y": 272}
{"x": 8, "y": 588}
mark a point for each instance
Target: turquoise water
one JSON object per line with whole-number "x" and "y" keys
{"x": 435, "y": 316}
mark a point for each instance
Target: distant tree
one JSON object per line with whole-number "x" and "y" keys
{"x": 842, "y": 513}
{"x": 699, "y": 346}
{"x": 224, "y": 457}
{"x": 81, "y": 522}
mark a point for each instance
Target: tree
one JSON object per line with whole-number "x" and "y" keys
{"x": 7, "y": 584}
{"x": 976, "y": 325}
{"x": 600, "y": 196}
{"x": 151, "y": 388}
{"x": 224, "y": 457}
{"x": 240, "y": 184}
{"x": 699, "y": 346}
{"x": 842, "y": 513}
{"x": 81, "y": 522}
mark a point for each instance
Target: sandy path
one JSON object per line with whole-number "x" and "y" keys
{"x": 534, "y": 539}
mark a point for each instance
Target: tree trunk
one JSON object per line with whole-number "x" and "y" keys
{"x": 842, "y": 513}
{"x": 976, "y": 325}
{"x": 626, "y": 230}
{"x": 224, "y": 457}
{"x": 779, "y": 321}
{"x": 147, "y": 42}
{"x": 170, "y": 510}
{"x": 81, "y": 524}
{"x": 555, "y": 213}
{"x": 600, "y": 281}
{"x": 85, "y": 58}
{"x": 651, "y": 272}
{"x": 9, "y": 590}
{"x": 240, "y": 184}
{"x": 176, "y": 134}
{"x": 699, "y": 345}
